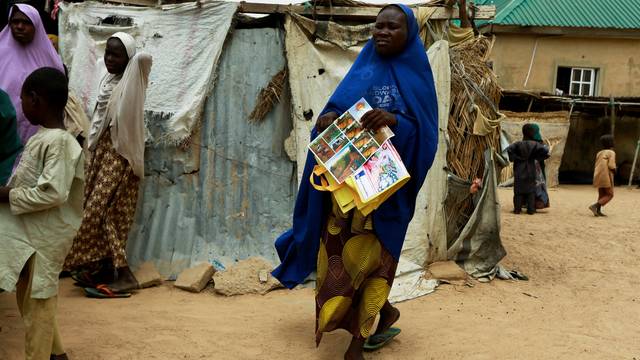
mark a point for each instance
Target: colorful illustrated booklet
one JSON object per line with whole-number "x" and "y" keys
{"x": 347, "y": 150}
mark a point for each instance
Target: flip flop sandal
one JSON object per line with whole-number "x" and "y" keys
{"x": 130, "y": 289}
{"x": 376, "y": 342}
{"x": 59, "y": 357}
{"x": 104, "y": 292}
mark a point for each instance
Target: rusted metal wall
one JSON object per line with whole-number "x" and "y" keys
{"x": 231, "y": 192}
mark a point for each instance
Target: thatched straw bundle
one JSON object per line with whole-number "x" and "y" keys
{"x": 472, "y": 82}
{"x": 269, "y": 96}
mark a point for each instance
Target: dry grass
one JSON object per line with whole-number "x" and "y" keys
{"x": 269, "y": 97}
{"x": 472, "y": 82}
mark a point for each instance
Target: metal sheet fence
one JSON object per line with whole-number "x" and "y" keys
{"x": 231, "y": 193}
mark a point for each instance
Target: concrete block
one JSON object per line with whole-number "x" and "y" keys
{"x": 147, "y": 275}
{"x": 196, "y": 278}
{"x": 250, "y": 276}
{"x": 447, "y": 270}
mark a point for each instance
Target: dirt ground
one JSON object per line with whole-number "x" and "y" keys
{"x": 582, "y": 302}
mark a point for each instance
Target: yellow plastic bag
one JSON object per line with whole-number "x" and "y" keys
{"x": 346, "y": 194}
{"x": 370, "y": 205}
{"x": 340, "y": 192}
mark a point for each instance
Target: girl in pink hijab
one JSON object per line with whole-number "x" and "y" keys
{"x": 25, "y": 47}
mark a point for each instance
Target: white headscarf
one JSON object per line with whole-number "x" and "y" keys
{"x": 125, "y": 108}
{"x": 128, "y": 41}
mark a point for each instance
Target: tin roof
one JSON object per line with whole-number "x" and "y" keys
{"x": 597, "y": 14}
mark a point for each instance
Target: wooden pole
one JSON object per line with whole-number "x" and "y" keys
{"x": 149, "y": 3}
{"x": 483, "y": 12}
{"x": 635, "y": 160}
{"x": 613, "y": 116}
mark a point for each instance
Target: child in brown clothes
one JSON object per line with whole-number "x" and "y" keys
{"x": 603, "y": 175}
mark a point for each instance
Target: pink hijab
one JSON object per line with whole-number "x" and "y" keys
{"x": 18, "y": 61}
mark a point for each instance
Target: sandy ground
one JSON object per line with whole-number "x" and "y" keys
{"x": 582, "y": 302}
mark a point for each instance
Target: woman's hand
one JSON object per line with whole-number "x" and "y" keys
{"x": 377, "y": 118}
{"x": 325, "y": 120}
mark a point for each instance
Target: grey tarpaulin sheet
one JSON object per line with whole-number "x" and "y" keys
{"x": 478, "y": 247}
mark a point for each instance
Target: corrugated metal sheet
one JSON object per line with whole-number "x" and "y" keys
{"x": 605, "y": 14}
{"x": 231, "y": 193}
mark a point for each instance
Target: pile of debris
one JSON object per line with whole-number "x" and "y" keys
{"x": 250, "y": 276}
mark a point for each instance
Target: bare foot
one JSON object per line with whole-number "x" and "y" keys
{"x": 125, "y": 281}
{"x": 354, "y": 352}
{"x": 388, "y": 316}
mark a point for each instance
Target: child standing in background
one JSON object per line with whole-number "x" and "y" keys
{"x": 603, "y": 174}
{"x": 524, "y": 155}
{"x": 40, "y": 213}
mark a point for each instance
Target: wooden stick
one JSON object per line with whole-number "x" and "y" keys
{"x": 150, "y": 3}
{"x": 633, "y": 167}
{"x": 484, "y": 12}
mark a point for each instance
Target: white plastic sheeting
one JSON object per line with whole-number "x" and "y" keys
{"x": 315, "y": 69}
{"x": 429, "y": 243}
{"x": 427, "y": 236}
{"x": 185, "y": 41}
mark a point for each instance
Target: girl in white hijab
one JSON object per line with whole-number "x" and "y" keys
{"x": 113, "y": 172}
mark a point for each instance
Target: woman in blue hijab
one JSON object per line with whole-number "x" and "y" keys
{"x": 355, "y": 256}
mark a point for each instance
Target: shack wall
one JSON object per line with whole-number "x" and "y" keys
{"x": 583, "y": 144}
{"x": 231, "y": 192}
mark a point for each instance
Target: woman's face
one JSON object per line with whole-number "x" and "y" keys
{"x": 21, "y": 26}
{"x": 115, "y": 56}
{"x": 390, "y": 32}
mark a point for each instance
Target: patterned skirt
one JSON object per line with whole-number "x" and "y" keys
{"x": 354, "y": 275}
{"x": 110, "y": 199}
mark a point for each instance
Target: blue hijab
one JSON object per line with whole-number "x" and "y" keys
{"x": 415, "y": 106}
